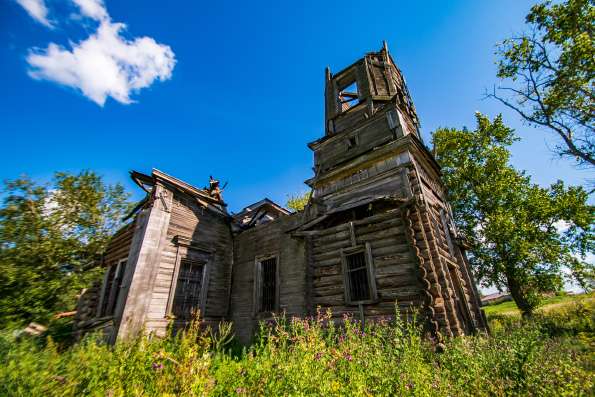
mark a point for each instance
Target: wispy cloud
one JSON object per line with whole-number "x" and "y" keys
{"x": 94, "y": 9}
{"x": 105, "y": 64}
{"x": 37, "y": 10}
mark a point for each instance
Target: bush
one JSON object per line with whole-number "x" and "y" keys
{"x": 549, "y": 356}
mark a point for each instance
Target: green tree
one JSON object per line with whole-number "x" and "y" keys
{"x": 49, "y": 235}
{"x": 522, "y": 235}
{"x": 552, "y": 71}
{"x": 299, "y": 201}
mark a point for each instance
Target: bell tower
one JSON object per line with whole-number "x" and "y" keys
{"x": 359, "y": 91}
{"x": 369, "y": 119}
{"x": 377, "y": 193}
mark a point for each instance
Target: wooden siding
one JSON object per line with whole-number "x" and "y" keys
{"x": 119, "y": 245}
{"x": 261, "y": 241}
{"x": 203, "y": 228}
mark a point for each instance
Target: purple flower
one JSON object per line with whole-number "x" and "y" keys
{"x": 157, "y": 366}
{"x": 318, "y": 356}
{"x": 347, "y": 357}
{"x": 240, "y": 390}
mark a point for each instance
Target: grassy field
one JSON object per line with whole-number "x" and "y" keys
{"x": 550, "y": 355}
{"x": 549, "y": 304}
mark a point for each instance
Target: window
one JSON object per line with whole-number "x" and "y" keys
{"x": 187, "y": 296}
{"x": 359, "y": 286}
{"x": 359, "y": 280}
{"x": 348, "y": 96}
{"x": 266, "y": 286}
{"x": 112, "y": 284}
{"x": 190, "y": 281}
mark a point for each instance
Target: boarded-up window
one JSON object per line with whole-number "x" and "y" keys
{"x": 187, "y": 298}
{"x": 360, "y": 286}
{"x": 266, "y": 286}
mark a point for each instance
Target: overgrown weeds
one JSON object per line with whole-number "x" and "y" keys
{"x": 549, "y": 356}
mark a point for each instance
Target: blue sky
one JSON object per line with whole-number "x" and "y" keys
{"x": 237, "y": 88}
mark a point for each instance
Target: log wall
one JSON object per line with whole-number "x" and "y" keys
{"x": 394, "y": 266}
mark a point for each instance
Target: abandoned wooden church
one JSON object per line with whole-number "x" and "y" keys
{"x": 377, "y": 230}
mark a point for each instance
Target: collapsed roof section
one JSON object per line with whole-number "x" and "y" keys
{"x": 259, "y": 213}
{"x": 209, "y": 198}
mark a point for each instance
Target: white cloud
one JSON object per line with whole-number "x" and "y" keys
{"x": 94, "y": 9}
{"x": 105, "y": 64}
{"x": 37, "y": 10}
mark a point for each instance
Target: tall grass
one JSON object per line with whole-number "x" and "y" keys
{"x": 549, "y": 356}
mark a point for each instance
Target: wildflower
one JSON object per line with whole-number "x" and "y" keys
{"x": 347, "y": 357}
{"x": 240, "y": 390}
{"x": 318, "y": 356}
{"x": 409, "y": 386}
{"x": 157, "y": 366}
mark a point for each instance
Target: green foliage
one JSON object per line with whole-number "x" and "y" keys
{"x": 298, "y": 202}
{"x": 49, "y": 234}
{"x": 315, "y": 356}
{"x": 513, "y": 225}
{"x": 552, "y": 69}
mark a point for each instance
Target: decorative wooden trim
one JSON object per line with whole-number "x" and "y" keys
{"x": 174, "y": 282}
{"x": 408, "y": 193}
{"x": 196, "y": 245}
{"x": 352, "y": 234}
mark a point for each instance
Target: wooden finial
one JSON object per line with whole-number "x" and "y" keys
{"x": 328, "y": 73}
{"x": 385, "y": 46}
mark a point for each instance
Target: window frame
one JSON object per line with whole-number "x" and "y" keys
{"x": 109, "y": 296}
{"x": 367, "y": 250}
{"x": 184, "y": 247}
{"x": 257, "y": 292}
{"x": 342, "y": 82}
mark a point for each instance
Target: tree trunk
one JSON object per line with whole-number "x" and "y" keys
{"x": 518, "y": 295}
